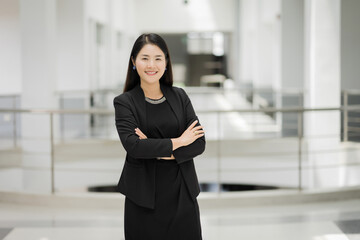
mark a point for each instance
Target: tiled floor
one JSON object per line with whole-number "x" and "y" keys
{"x": 315, "y": 221}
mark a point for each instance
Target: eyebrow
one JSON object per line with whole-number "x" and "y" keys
{"x": 145, "y": 55}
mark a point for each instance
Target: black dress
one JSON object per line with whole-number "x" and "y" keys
{"x": 176, "y": 215}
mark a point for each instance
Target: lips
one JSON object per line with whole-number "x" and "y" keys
{"x": 151, "y": 73}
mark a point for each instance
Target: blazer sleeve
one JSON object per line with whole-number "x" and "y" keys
{"x": 136, "y": 148}
{"x": 189, "y": 152}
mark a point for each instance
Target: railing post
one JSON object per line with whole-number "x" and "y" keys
{"x": 62, "y": 117}
{"x": 218, "y": 152}
{"x": 253, "y": 106}
{"x": 14, "y": 122}
{"x": 52, "y": 152}
{"x": 346, "y": 117}
{"x": 300, "y": 138}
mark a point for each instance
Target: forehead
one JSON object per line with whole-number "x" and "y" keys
{"x": 151, "y": 50}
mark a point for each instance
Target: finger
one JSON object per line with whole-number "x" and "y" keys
{"x": 192, "y": 125}
{"x": 197, "y": 128}
{"x": 140, "y": 133}
{"x": 199, "y": 132}
{"x": 142, "y": 137}
{"x": 138, "y": 130}
{"x": 199, "y": 135}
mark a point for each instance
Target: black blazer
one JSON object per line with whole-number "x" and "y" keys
{"x": 137, "y": 181}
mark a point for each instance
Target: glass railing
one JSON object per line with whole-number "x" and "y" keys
{"x": 72, "y": 150}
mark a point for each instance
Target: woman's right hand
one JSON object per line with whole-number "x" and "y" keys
{"x": 192, "y": 133}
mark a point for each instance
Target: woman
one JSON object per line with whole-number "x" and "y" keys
{"x": 161, "y": 134}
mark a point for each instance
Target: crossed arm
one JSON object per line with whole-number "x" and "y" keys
{"x": 192, "y": 133}
{"x": 190, "y": 144}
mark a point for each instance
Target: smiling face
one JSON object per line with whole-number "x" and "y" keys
{"x": 150, "y": 64}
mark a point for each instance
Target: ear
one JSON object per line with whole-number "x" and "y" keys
{"x": 132, "y": 60}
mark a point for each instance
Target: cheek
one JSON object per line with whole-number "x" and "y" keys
{"x": 162, "y": 65}
{"x": 140, "y": 64}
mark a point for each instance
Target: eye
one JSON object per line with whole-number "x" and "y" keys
{"x": 158, "y": 59}
{"x": 144, "y": 58}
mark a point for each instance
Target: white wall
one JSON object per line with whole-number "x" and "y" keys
{"x": 176, "y": 17}
{"x": 124, "y": 21}
{"x": 98, "y": 10}
{"x": 10, "y": 47}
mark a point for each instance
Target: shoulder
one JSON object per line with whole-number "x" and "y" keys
{"x": 180, "y": 95}
{"x": 122, "y": 98}
{"x": 127, "y": 97}
{"x": 180, "y": 92}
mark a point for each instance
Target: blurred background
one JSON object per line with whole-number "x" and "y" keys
{"x": 275, "y": 84}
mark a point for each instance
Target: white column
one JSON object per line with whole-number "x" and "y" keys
{"x": 350, "y": 74}
{"x": 322, "y": 86}
{"x": 38, "y": 28}
{"x": 247, "y": 46}
{"x": 259, "y": 47}
{"x": 268, "y": 44}
{"x": 72, "y": 66}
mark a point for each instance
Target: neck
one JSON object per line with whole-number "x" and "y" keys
{"x": 152, "y": 91}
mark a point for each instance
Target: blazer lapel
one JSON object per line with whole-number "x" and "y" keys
{"x": 175, "y": 105}
{"x": 140, "y": 107}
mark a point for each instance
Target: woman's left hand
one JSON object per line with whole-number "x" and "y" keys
{"x": 140, "y": 133}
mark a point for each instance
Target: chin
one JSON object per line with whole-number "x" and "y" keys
{"x": 151, "y": 81}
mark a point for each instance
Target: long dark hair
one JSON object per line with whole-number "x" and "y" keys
{"x": 132, "y": 77}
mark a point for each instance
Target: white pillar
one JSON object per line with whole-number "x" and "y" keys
{"x": 268, "y": 44}
{"x": 322, "y": 86}
{"x": 38, "y": 28}
{"x": 350, "y": 75}
{"x": 260, "y": 43}
{"x": 72, "y": 68}
{"x": 247, "y": 46}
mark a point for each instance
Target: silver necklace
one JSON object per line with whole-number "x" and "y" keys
{"x": 155, "y": 101}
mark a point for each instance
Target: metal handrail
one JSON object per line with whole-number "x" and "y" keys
{"x": 351, "y": 91}
{"x": 195, "y": 89}
{"x": 190, "y": 89}
{"x": 110, "y": 112}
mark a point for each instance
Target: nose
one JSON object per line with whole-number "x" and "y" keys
{"x": 151, "y": 63}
